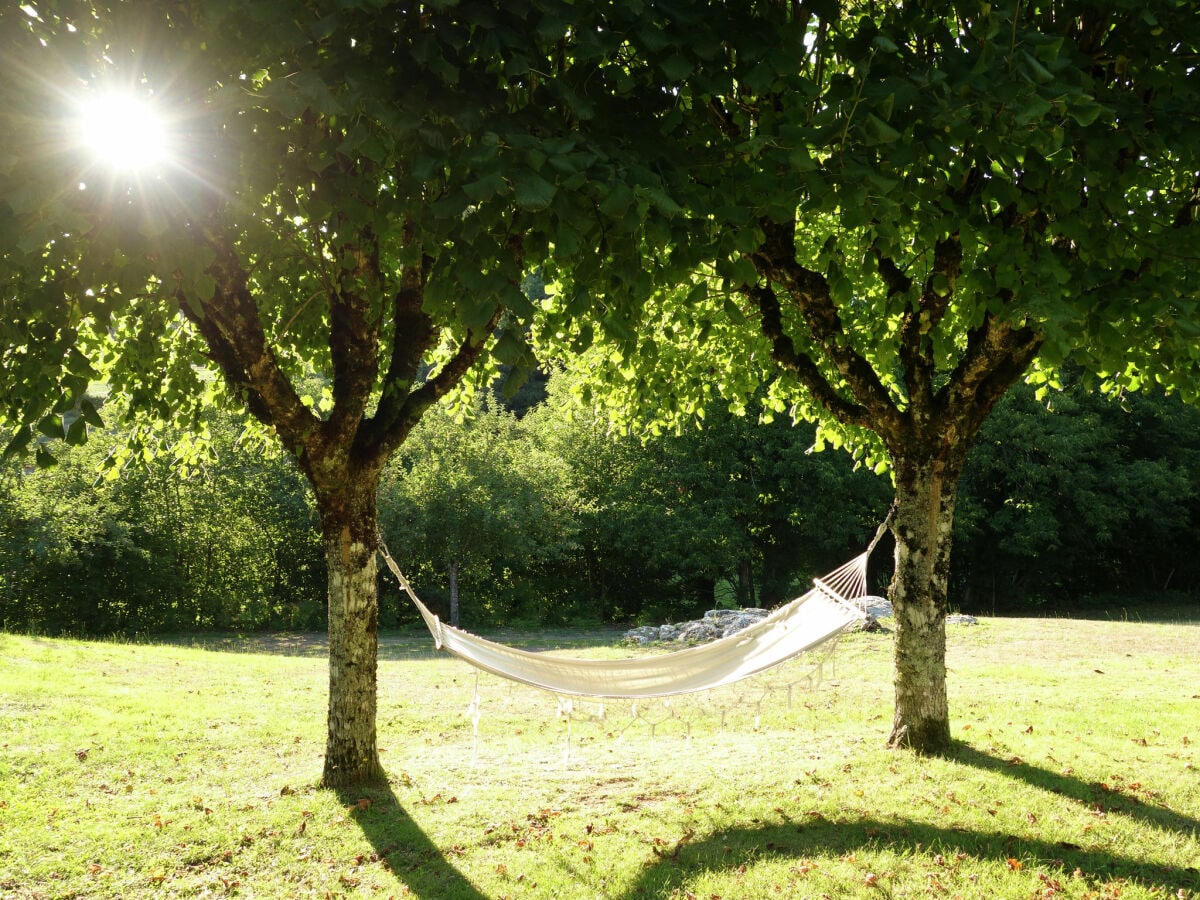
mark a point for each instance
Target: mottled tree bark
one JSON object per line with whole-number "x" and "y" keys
{"x": 923, "y": 519}
{"x": 348, "y": 520}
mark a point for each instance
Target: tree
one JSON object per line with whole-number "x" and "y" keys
{"x": 223, "y": 541}
{"x": 1079, "y": 497}
{"x": 476, "y": 499}
{"x": 903, "y": 209}
{"x": 667, "y": 517}
{"x": 350, "y": 189}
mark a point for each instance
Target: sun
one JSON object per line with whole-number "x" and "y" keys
{"x": 124, "y": 132}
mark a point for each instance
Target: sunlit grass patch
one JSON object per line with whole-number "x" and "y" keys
{"x": 173, "y": 770}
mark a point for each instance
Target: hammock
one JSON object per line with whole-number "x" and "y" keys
{"x": 804, "y": 623}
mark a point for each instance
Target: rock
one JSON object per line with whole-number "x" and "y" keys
{"x": 717, "y": 623}
{"x": 644, "y": 634}
{"x": 744, "y": 620}
{"x": 721, "y": 623}
{"x": 721, "y": 615}
{"x": 698, "y": 633}
{"x": 875, "y": 607}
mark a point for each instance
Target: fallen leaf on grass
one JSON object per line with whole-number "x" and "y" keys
{"x": 1014, "y": 864}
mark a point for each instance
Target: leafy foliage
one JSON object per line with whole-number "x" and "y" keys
{"x": 900, "y": 210}
{"x": 230, "y": 545}
{"x": 1079, "y": 497}
{"x": 899, "y": 206}
{"x": 479, "y": 497}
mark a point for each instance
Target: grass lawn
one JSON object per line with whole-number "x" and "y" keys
{"x": 188, "y": 769}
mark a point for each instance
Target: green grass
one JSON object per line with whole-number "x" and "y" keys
{"x": 188, "y": 769}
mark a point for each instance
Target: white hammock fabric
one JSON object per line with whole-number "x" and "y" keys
{"x": 804, "y": 623}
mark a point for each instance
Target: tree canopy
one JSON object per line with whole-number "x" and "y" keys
{"x": 901, "y": 210}
{"x": 885, "y": 212}
{"x": 351, "y": 190}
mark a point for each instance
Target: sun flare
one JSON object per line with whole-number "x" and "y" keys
{"x": 124, "y": 132}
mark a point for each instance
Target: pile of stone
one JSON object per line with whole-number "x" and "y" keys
{"x": 719, "y": 623}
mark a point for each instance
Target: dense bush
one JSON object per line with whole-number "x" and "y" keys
{"x": 229, "y": 545}
{"x": 1079, "y": 497}
{"x": 550, "y": 518}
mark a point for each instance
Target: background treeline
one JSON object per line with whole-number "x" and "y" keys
{"x": 546, "y": 517}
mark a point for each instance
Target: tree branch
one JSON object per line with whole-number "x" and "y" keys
{"x": 783, "y": 351}
{"x": 413, "y": 335}
{"x": 232, "y": 330}
{"x": 917, "y": 326}
{"x": 893, "y": 276}
{"x": 385, "y": 437}
{"x": 776, "y": 261}
{"x": 997, "y": 354}
{"x": 353, "y": 338}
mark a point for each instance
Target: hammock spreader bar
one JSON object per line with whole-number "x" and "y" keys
{"x": 804, "y": 623}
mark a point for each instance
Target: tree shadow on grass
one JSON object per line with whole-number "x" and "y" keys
{"x": 728, "y": 850}
{"x": 1115, "y": 798}
{"x": 410, "y": 854}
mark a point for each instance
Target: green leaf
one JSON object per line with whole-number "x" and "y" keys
{"x": 44, "y": 458}
{"x": 879, "y": 131}
{"x": 676, "y": 67}
{"x": 475, "y": 313}
{"x": 19, "y": 442}
{"x": 77, "y": 432}
{"x": 52, "y": 427}
{"x": 617, "y": 200}
{"x": 1034, "y": 70}
{"x": 801, "y": 160}
{"x": 485, "y": 188}
{"x": 533, "y": 192}
{"x": 79, "y": 364}
{"x": 743, "y": 273}
{"x": 1086, "y": 113}
{"x": 1034, "y": 110}
{"x": 514, "y": 381}
{"x": 510, "y": 349}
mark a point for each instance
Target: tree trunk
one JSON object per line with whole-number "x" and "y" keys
{"x": 452, "y": 575}
{"x": 745, "y": 589}
{"x": 924, "y": 516}
{"x": 348, "y": 523}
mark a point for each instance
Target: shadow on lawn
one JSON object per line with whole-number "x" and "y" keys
{"x": 409, "y": 852}
{"x": 728, "y": 850}
{"x": 1093, "y": 795}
